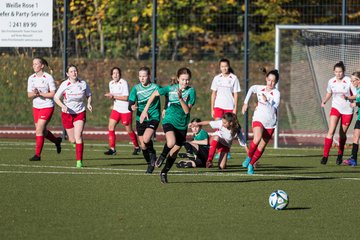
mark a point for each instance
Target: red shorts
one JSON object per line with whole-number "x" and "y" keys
{"x": 222, "y": 149}
{"x": 42, "y": 113}
{"x": 219, "y": 112}
{"x": 125, "y": 118}
{"x": 345, "y": 118}
{"x": 267, "y": 132}
{"x": 69, "y": 119}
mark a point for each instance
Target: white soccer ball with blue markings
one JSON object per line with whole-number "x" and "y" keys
{"x": 279, "y": 200}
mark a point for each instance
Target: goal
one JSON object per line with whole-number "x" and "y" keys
{"x": 305, "y": 56}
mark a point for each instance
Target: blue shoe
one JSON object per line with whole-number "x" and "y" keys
{"x": 246, "y": 162}
{"x": 350, "y": 162}
{"x": 250, "y": 169}
{"x": 353, "y": 163}
{"x": 216, "y": 156}
{"x": 228, "y": 155}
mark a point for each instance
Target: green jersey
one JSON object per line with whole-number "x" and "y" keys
{"x": 201, "y": 135}
{"x": 358, "y": 99}
{"x": 175, "y": 115}
{"x": 140, "y": 95}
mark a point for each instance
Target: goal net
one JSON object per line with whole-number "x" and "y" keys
{"x": 305, "y": 56}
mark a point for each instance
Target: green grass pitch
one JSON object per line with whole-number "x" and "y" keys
{"x": 112, "y": 197}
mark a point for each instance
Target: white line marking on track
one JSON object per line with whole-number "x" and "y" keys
{"x": 138, "y": 172}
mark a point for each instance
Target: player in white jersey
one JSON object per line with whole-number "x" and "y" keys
{"x": 264, "y": 119}
{"x": 41, "y": 89}
{"x": 74, "y": 91}
{"x": 227, "y": 129}
{"x": 225, "y": 88}
{"x": 339, "y": 88}
{"x": 119, "y": 94}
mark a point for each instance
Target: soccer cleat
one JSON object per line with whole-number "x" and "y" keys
{"x": 339, "y": 159}
{"x": 228, "y": 155}
{"x": 152, "y": 159}
{"x": 58, "y": 145}
{"x": 163, "y": 178}
{"x": 79, "y": 164}
{"x": 110, "y": 152}
{"x": 35, "y": 158}
{"x": 250, "y": 169}
{"x": 216, "y": 156}
{"x": 149, "y": 169}
{"x": 159, "y": 161}
{"x": 246, "y": 162}
{"x": 136, "y": 151}
{"x": 181, "y": 164}
{"x": 324, "y": 160}
{"x": 350, "y": 162}
{"x": 209, "y": 164}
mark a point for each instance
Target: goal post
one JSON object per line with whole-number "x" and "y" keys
{"x": 305, "y": 56}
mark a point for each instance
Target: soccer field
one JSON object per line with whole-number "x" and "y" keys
{"x": 112, "y": 197}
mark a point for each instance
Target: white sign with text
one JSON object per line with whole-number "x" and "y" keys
{"x": 26, "y": 23}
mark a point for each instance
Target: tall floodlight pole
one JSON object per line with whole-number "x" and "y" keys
{"x": 246, "y": 64}
{"x": 343, "y": 22}
{"x": 65, "y": 55}
{"x": 343, "y": 15}
{"x": 154, "y": 38}
{"x": 65, "y": 47}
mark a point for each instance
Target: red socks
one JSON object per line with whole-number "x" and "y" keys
{"x": 39, "y": 145}
{"x": 212, "y": 150}
{"x": 134, "y": 139}
{"x": 79, "y": 151}
{"x": 112, "y": 139}
{"x": 256, "y": 156}
{"x": 327, "y": 146}
{"x": 252, "y": 149}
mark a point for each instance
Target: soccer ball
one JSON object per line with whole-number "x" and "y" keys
{"x": 279, "y": 200}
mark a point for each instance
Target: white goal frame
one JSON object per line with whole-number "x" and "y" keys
{"x": 278, "y": 29}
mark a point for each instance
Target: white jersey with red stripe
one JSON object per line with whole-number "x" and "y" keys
{"x": 120, "y": 88}
{"x": 224, "y": 134}
{"x": 225, "y": 87}
{"x": 43, "y": 84}
{"x": 266, "y": 110}
{"x": 74, "y": 95}
{"x": 339, "y": 90}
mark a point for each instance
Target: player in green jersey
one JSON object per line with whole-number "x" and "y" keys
{"x": 355, "y": 80}
{"x": 138, "y": 98}
{"x": 197, "y": 150}
{"x": 175, "y": 123}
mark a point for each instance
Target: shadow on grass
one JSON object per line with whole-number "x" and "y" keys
{"x": 296, "y": 208}
{"x": 250, "y": 180}
{"x": 296, "y": 156}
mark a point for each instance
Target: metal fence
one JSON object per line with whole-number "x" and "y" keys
{"x": 188, "y": 32}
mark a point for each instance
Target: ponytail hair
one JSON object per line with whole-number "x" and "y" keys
{"x": 45, "y": 63}
{"x": 340, "y": 65}
{"x": 274, "y": 72}
{"x": 234, "y": 123}
{"x": 231, "y": 70}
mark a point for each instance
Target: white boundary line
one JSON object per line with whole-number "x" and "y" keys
{"x": 160, "y": 133}
{"x": 137, "y": 172}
